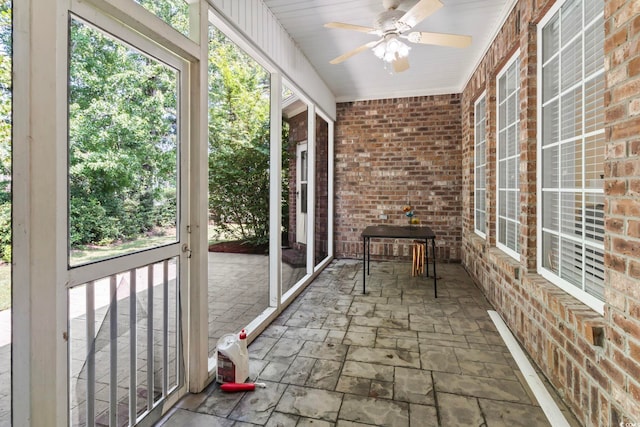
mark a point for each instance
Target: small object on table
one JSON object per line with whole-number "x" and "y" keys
{"x": 235, "y": 387}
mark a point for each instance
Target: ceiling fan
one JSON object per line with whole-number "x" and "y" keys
{"x": 391, "y": 26}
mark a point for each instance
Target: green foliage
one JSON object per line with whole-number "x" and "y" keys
{"x": 93, "y": 226}
{"x": 122, "y": 139}
{"x": 173, "y": 12}
{"x": 239, "y": 102}
{"x": 5, "y": 129}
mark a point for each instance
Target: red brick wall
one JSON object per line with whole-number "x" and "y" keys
{"x": 622, "y": 203}
{"x": 599, "y": 382}
{"x": 391, "y": 151}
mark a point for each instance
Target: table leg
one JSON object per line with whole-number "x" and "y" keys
{"x": 369, "y": 255}
{"x": 435, "y": 276}
{"x": 364, "y": 264}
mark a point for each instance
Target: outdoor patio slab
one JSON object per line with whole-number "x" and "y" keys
{"x": 395, "y": 356}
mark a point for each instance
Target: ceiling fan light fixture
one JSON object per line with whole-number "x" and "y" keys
{"x": 390, "y": 49}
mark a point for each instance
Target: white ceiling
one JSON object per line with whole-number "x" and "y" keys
{"x": 434, "y": 69}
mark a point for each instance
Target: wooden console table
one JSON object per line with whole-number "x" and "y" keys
{"x": 398, "y": 232}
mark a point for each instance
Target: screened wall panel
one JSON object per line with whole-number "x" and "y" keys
{"x": 257, "y": 21}
{"x": 239, "y": 188}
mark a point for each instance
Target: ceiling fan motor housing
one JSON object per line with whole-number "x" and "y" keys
{"x": 391, "y": 4}
{"x": 387, "y": 21}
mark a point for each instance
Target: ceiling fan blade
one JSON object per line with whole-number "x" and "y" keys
{"x": 355, "y": 51}
{"x": 344, "y": 26}
{"x": 439, "y": 39}
{"x": 417, "y": 13}
{"x": 400, "y": 64}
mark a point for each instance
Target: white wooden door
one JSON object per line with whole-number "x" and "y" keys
{"x": 302, "y": 176}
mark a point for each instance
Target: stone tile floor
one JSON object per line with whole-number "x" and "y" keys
{"x": 393, "y": 357}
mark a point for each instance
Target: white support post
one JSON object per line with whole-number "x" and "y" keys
{"x": 39, "y": 305}
{"x": 21, "y": 309}
{"x": 275, "y": 190}
{"x": 196, "y": 342}
{"x": 311, "y": 187}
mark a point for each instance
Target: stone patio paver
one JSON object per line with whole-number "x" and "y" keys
{"x": 512, "y": 414}
{"x": 256, "y": 408}
{"x": 310, "y": 403}
{"x": 458, "y": 410}
{"x": 379, "y": 412}
{"x": 491, "y": 388}
{"x": 413, "y": 385}
{"x": 368, "y": 370}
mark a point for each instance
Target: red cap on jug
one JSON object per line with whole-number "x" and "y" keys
{"x": 243, "y": 335}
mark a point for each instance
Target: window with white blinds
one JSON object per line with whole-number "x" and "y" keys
{"x": 508, "y": 157}
{"x": 480, "y": 191}
{"x": 571, "y": 149}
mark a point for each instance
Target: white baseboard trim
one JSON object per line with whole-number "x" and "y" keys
{"x": 549, "y": 407}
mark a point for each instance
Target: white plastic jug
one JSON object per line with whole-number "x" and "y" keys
{"x": 233, "y": 358}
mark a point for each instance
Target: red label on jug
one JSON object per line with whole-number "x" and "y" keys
{"x": 226, "y": 369}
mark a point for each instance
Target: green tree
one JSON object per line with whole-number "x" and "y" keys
{"x": 122, "y": 139}
{"x": 173, "y": 12}
{"x": 239, "y": 101}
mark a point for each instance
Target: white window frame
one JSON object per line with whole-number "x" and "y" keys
{"x": 514, "y": 253}
{"x": 480, "y": 229}
{"x": 580, "y": 294}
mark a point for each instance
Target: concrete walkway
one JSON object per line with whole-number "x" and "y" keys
{"x": 5, "y": 368}
{"x": 5, "y": 327}
{"x": 393, "y": 357}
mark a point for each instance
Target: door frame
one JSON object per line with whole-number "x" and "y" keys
{"x": 179, "y": 249}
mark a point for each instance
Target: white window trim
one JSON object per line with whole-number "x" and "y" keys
{"x": 561, "y": 283}
{"x": 481, "y": 98}
{"x": 504, "y": 69}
